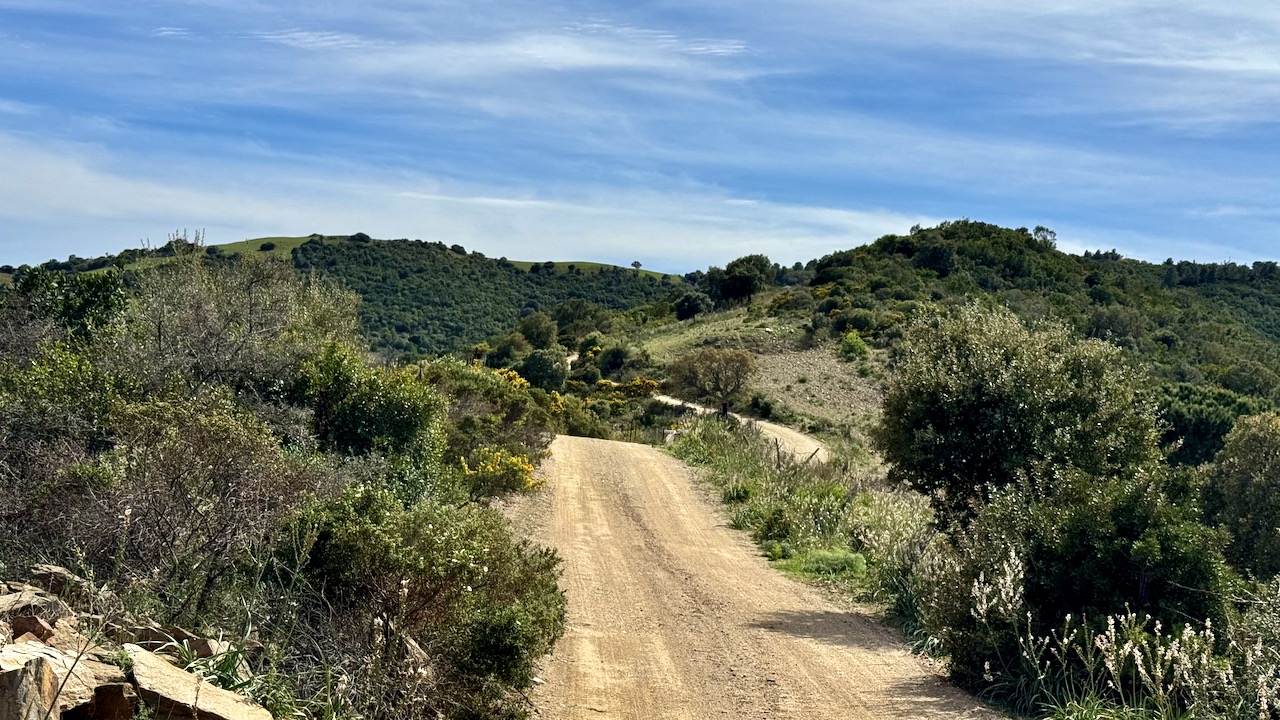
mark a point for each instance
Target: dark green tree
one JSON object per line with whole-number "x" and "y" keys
{"x": 1242, "y": 494}
{"x": 745, "y": 277}
{"x": 546, "y": 369}
{"x": 691, "y": 303}
{"x": 539, "y": 329}
{"x": 978, "y": 401}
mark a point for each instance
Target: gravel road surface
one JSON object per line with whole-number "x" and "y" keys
{"x": 674, "y": 615}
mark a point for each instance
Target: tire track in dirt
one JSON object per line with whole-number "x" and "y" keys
{"x": 674, "y": 615}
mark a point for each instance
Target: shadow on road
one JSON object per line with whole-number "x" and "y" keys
{"x": 836, "y": 628}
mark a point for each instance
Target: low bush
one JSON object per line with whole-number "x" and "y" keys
{"x": 443, "y": 609}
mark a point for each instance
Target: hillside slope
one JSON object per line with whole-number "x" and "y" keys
{"x": 427, "y": 298}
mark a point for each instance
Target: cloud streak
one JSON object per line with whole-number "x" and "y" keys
{"x": 590, "y": 129}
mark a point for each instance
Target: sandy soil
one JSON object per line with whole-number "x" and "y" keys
{"x": 816, "y": 384}
{"x": 674, "y": 615}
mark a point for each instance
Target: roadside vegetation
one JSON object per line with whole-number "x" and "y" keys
{"x": 213, "y": 446}
{"x": 1031, "y": 531}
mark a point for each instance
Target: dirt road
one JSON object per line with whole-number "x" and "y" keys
{"x": 792, "y": 441}
{"x": 674, "y": 615}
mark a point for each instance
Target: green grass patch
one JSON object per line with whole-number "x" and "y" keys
{"x": 825, "y": 563}
{"x": 834, "y": 520}
{"x": 279, "y": 246}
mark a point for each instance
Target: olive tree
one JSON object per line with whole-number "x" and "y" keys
{"x": 716, "y": 374}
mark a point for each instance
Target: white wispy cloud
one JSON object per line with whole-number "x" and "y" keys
{"x": 317, "y": 40}
{"x": 674, "y": 231}
{"x": 1176, "y": 63}
{"x": 13, "y": 107}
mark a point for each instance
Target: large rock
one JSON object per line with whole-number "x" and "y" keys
{"x": 98, "y": 690}
{"x": 175, "y": 693}
{"x": 28, "y": 692}
{"x": 24, "y": 624}
{"x": 28, "y": 600}
{"x": 59, "y": 580}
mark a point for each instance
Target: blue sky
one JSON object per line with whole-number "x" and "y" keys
{"x": 679, "y": 134}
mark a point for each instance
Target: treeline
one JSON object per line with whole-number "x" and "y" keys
{"x": 424, "y": 298}
{"x": 213, "y": 446}
{"x": 177, "y": 244}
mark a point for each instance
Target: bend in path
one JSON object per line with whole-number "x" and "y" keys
{"x": 674, "y": 615}
{"x": 792, "y": 441}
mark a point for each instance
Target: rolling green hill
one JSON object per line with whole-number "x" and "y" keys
{"x": 420, "y": 298}
{"x": 1208, "y": 334}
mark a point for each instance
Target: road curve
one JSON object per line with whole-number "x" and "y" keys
{"x": 674, "y": 615}
{"x": 797, "y": 443}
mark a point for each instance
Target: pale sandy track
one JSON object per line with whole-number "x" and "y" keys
{"x": 792, "y": 441}
{"x": 674, "y": 615}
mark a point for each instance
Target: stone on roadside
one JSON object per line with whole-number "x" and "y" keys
{"x": 78, "y": 679}
{"x": 176, "y": 693}
{"x": 33, "y": 601}
{"x": 58, "y": 580}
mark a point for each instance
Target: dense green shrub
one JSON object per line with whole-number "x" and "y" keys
{"x": 978, "y": 401}
{"x": 545, "y": 369}
{"x": 852, "y": 346}
{"x": 690, "y": 303}
{"x": 539, "y": 329}
{"x": 453, "y": 583}
{"x": 490, "y": 411}
{"x": 1242, "y": 494}
{"x": 359, "y": 409}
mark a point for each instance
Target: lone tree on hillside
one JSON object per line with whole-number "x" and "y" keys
{"x": 713, "y": 373}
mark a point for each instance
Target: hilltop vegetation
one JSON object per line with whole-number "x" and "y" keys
{"x": 426, "y": 298}
{"x": 419, "y": 299}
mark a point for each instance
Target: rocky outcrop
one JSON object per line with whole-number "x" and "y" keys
{"x": 77, "y": 680}
{"x": 175, "y": 693}
{"x": 50, "y": 669}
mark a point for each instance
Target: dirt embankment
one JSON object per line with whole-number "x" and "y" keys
{"x": 674, "y": 615}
